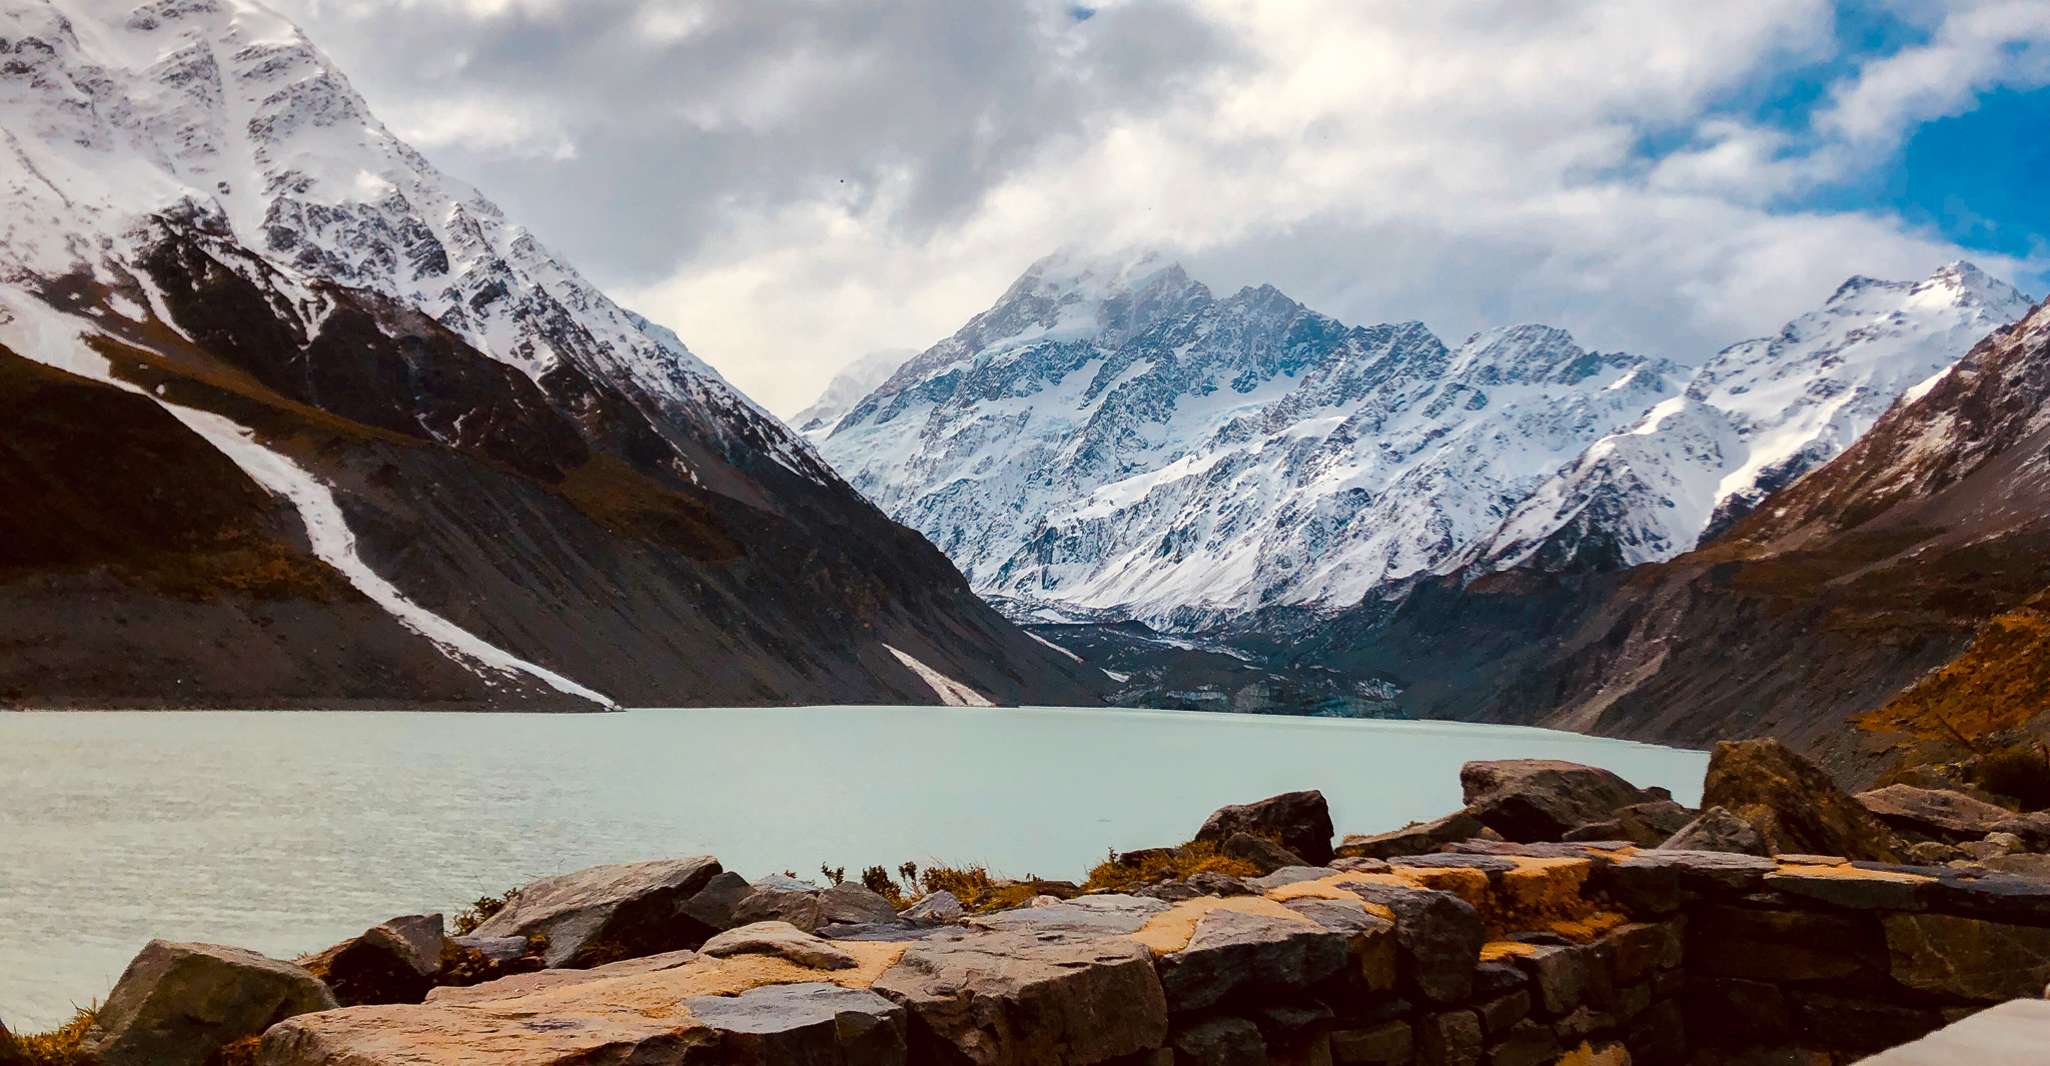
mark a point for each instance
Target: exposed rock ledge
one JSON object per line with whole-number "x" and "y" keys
{"x": 1473, "y": 950}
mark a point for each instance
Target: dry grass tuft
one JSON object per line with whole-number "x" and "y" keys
{"x": 62, "y": 1046}
{"x": 467, "y": 920}
{"x": 1165, "y": 864}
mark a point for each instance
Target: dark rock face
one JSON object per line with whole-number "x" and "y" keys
{"x": 1643, "y": 824}
{"x": 1439, "y": 935}
{"x": 1544, "y": 799}
{"x": 394, "y": 962}
{"x": 1298, "y": 821}
{"x": 1265, "y": 855}
{"x": 608, "y": 913}
{"x": 177, "y": 1004}
{"x": 1008, "y": 999}
{"x": 1419, "y": 839}
{"x": 1795, "y": 806}
{"x": 1232, "y": 952}
{"x": 1716, "y": 829}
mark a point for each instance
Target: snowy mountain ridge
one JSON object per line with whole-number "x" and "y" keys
{"x": 1752, "y": 420}
{"x": 847, "y": 388}
{"x": 222, "y": 114}
{"x": 1113, "y": 439}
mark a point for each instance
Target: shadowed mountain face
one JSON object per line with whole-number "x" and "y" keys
{"x": 1887, "y": 607}
{"x": 303, "y": 422}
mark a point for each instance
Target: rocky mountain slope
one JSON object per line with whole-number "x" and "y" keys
{"x": 1111, "y": 440}
{"x": 1885, "y": 609}
{"x": 318, "y": 425}
{"x": 1753, "y": 419}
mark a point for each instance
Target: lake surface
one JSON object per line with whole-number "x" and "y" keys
{"x": 285, "y": 832}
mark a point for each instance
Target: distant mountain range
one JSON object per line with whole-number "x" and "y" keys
{"x": 298, "y": 420}
{"x": 1112, "y": 441}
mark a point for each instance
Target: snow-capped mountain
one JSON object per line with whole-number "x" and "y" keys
{"x": 197, "y": 209}
{"x": 1753, "y": 419}
{"x": 847, "y": 388}
{"x": 1111, "y": 439}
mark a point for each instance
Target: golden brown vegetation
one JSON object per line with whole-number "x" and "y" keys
{"x": 62, "y": 1046}
{"x": 1164, "y": 864}
{"x": 469, "y": 918}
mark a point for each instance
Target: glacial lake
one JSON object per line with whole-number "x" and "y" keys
{"x": 285, "y": 832}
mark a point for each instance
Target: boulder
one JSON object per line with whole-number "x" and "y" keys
{"x": 940, "y": 908}
{"x": 395, "y": 962}
{"x": 1792, "y": 803}
{"x": 607, "y": 913}
{"x": 804, "y": 1023}
{"x": 1263, "y": 854}
{"x": 1298, "y": 821}
{"x": 777, "y": 898}
{"x": 1643, "y": 824}
{"x": 178, "y": 1004}
{"x": 1716, "y": 829}
{"x": 1012, "y": 998}
{"x": 849, "y": 903}
{"x": 1934, "y": 813}
{"x": 1967, "y": 957}
{"x": 1419, "y": 838}
{"x": 1232, "y": 952}
{"x": 520, "y": 984}
{"x": 1222, "y": 1041}
{"x": 1542, "y": 799}
{"x": 1437, "y": 934}
{"x": 779, "y": 940}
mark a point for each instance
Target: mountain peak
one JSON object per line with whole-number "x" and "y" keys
{"x": 1968, "y": 284}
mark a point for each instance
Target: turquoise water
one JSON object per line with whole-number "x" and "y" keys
{"x": 285, "y": 832}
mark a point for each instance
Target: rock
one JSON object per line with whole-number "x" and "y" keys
{"x": 1854, "y": 888}
{"x": 848, "y": 903}
{"x": 1222, "y": 1041}
{"x": 2028, "y": 865}
{"x": 1438, "y": 935}
{"x": 1383, "y": 1045}
{"x": 1012, "y": 998}
{"x": 523, "y": 983}
{"x": 1843, "y": 1022}
{"x": 1525, "y": 1044}
{"x": 1740, "y": 942}
{"x": 715, "y": 905}
{"x": 1233, "y": 951}
{"x": 777, "y": 898}
{"x": 1449, "y": 1039}
{"x": 607, "y": 913}
{"x": 1716, "y": 829}
{"x": 1792, "y": 803}
{"x": 804, "y": 1023}
{"x": 1502, "y": 1012}
{"x": 1930, "y": 853}
{"x": 1212, "y": 883}
{"x": 395, "y": 962}
{"x": 1541, "y": 799}
{"x": 1643, "y": 824}
{"x": 1934, "y": 813}
{"x": 1558, "y": 975}
{"x": 1298, "y": 821}
{"x": 1105, "y": 915}
{"x": 939, "y": 908}
{"x": 1968, "y": 957}
{"x": 2033, "y": 829}
{"x": 1265, "y": 855}
{"x": 177, "y": 1004}
{"x": 780, "y": 940}
{"x": 1418, "y": 838}
{"x": 1994, "y": 846}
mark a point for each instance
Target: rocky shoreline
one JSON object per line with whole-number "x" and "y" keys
{"x": 1562, "y": 916}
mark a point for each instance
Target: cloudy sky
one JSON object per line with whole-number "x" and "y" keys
{"x": 793, "y": 183}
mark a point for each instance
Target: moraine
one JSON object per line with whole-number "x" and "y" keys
{"x": 283, "y": 832}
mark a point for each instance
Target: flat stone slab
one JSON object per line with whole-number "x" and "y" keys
{"x": 2012, "y": 1034}
{"x": 1105, "y": 915}
{"x": 781, "y": 940}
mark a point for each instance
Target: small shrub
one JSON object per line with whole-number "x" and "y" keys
{"x": 877, "y": 880}
{"x": 2021, "y": 772}
{"x": 242, "y": 1052}
{"x": 976, "y": 889}
{"x": 836, "y": 875}
{"x": 62, "y": 1046}
{"x": 476, "y": 914}
{"x": 1195, "y": 857}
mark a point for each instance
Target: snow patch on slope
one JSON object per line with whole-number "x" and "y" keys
{"x": 951, "y": 692}
{"x": 335, "y": 545}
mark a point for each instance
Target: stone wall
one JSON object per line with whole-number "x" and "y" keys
{"x": 1493, "y": 953}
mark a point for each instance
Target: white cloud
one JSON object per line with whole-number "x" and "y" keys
{"x": 790, "y": 183}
